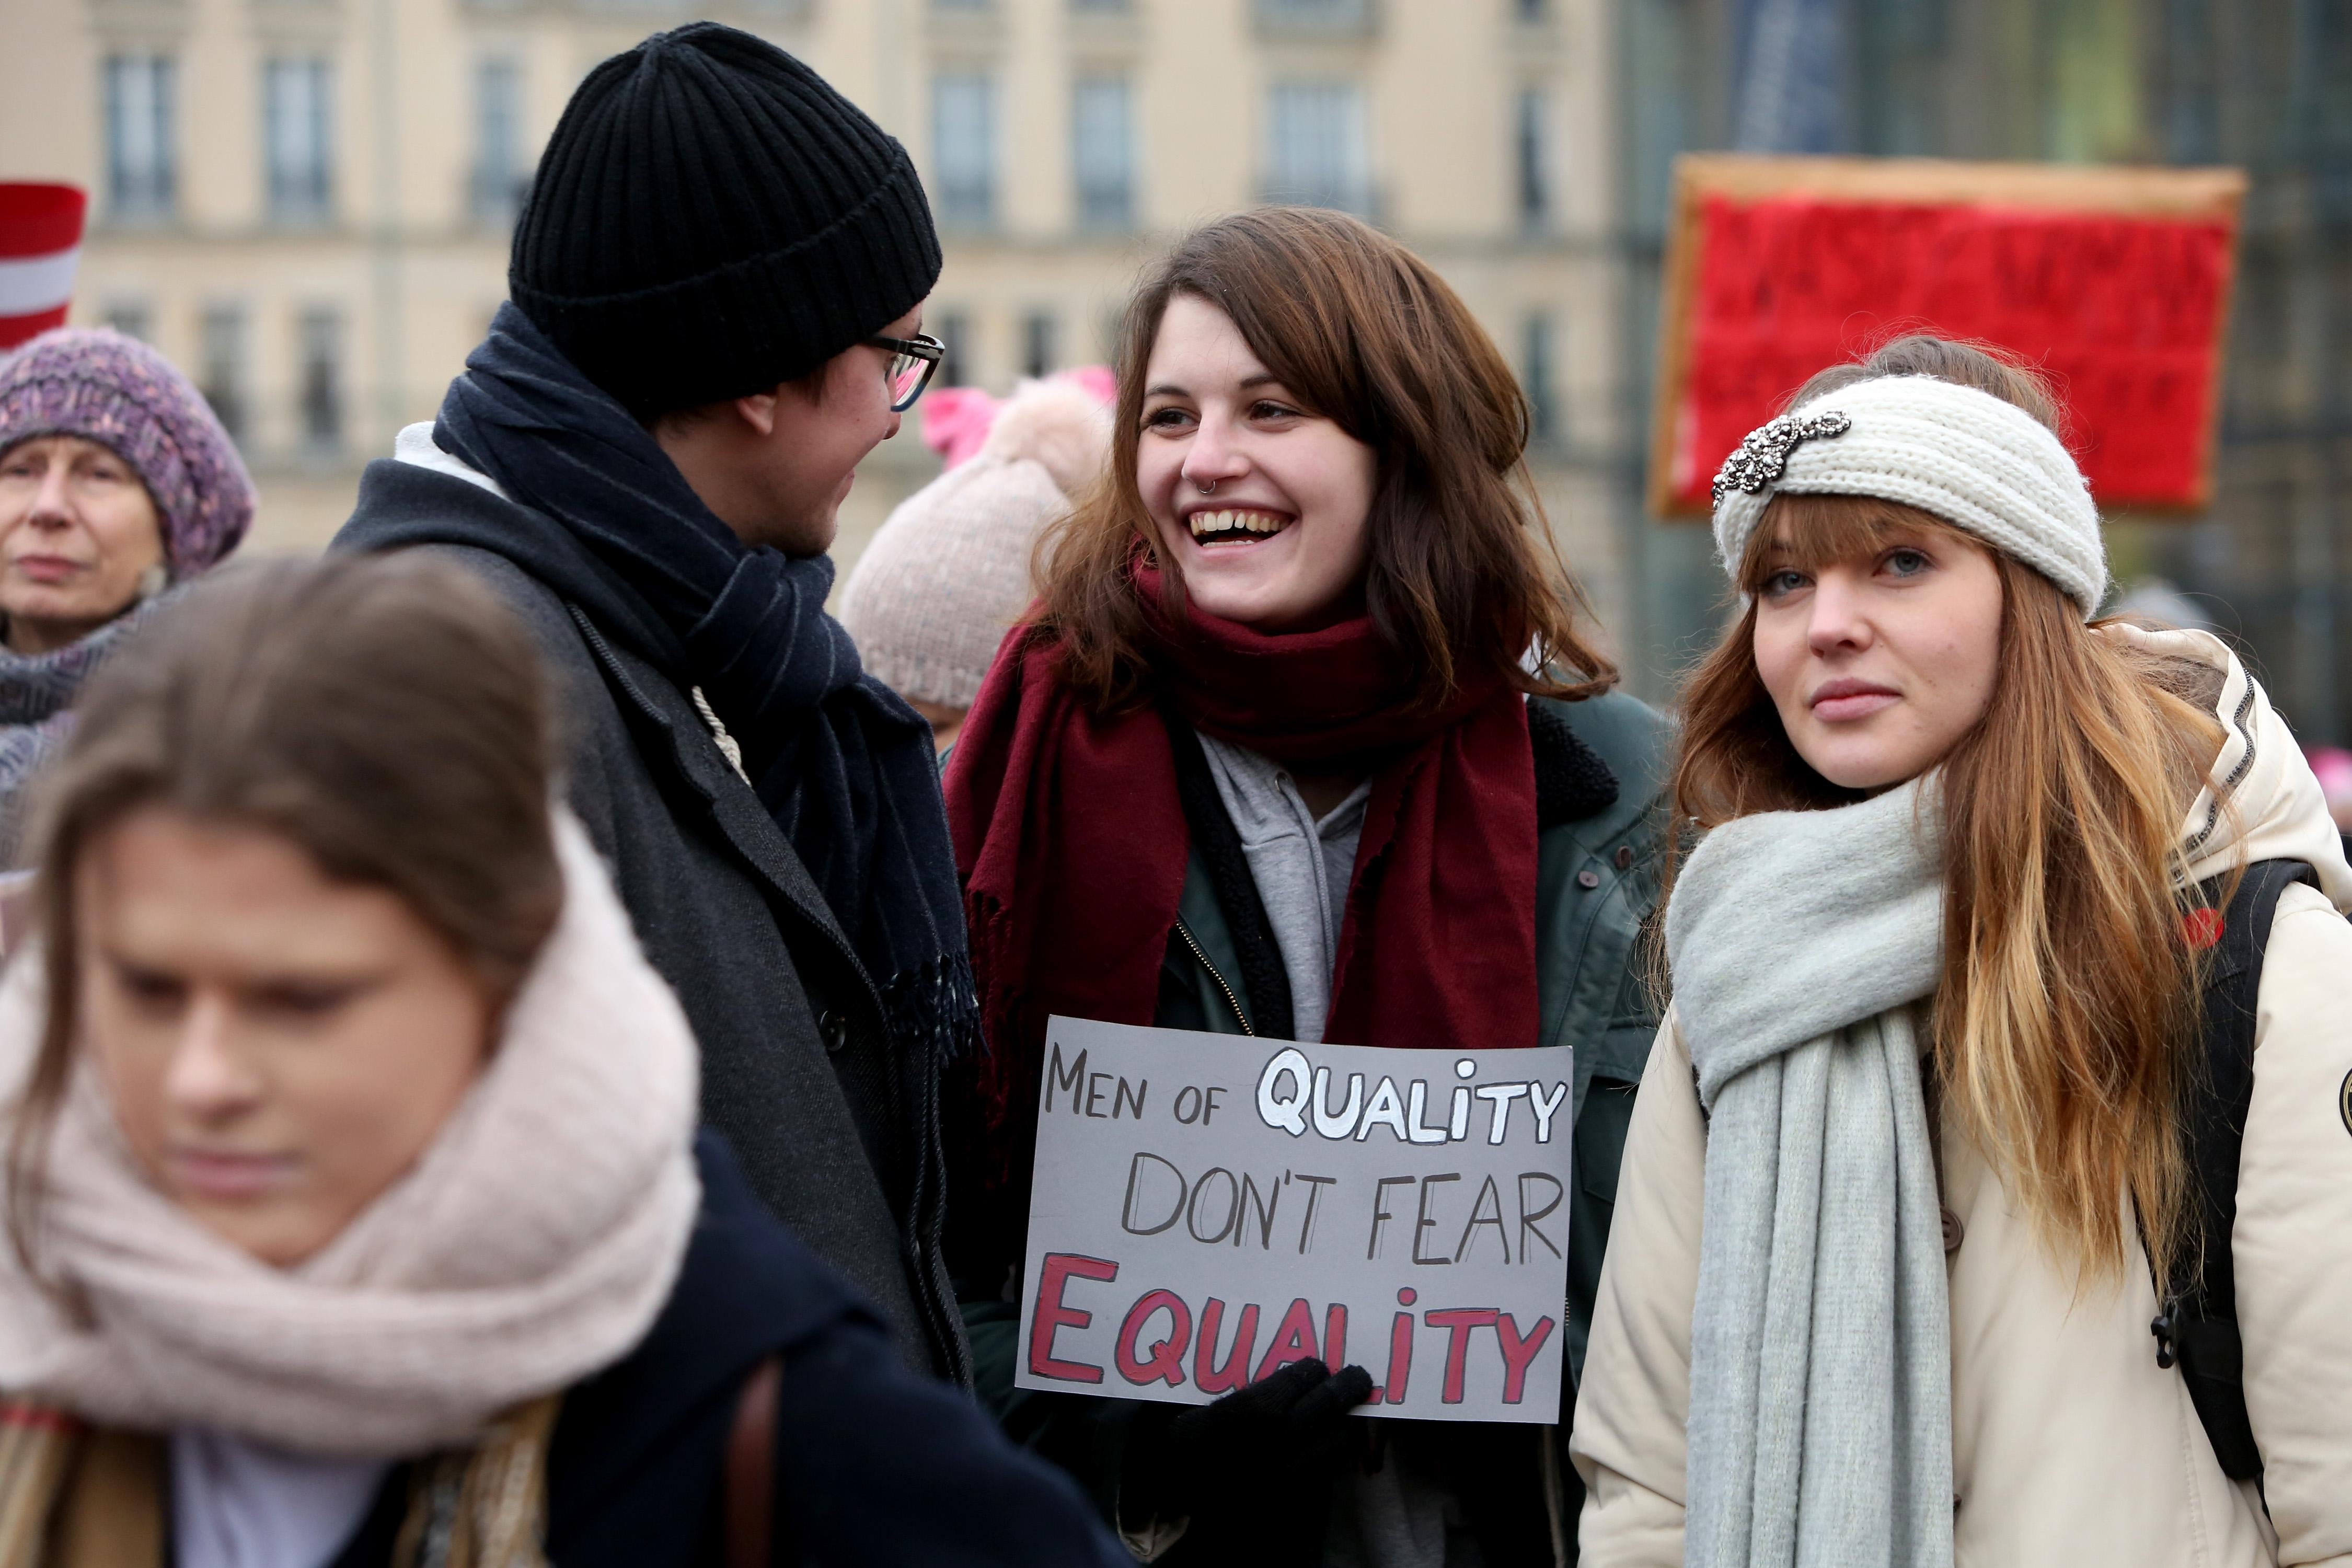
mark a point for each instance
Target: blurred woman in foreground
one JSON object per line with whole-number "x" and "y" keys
{"x": 356, "y": 1212}
{"x": 116, "y": 481}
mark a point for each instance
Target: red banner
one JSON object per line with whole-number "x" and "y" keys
{"x": 2123, "y": 313}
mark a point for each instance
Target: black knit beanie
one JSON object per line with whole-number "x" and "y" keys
{"x": 711, "y": 219}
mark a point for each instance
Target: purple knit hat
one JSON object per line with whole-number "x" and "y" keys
{"x": 115, "y": 390}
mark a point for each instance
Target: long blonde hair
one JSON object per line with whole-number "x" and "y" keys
{"x": 2067, "y": 1002}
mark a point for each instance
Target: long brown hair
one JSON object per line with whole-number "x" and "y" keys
{"x": 2068, "y": 996}
{"x": 1464, "y": 573}
{"x": 385, "y": 714}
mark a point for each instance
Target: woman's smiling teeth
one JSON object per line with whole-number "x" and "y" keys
{"x": 1235, "y": 526}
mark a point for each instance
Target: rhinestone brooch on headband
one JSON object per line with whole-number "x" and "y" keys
{"x": 1762, "y": 455}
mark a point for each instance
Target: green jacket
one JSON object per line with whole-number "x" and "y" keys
{"x": 1596, "y": 884}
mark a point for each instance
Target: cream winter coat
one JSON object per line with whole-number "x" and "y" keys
{"x": 2069, "y": 1444}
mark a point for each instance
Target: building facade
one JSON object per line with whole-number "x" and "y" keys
{"x": 307, "y": 202}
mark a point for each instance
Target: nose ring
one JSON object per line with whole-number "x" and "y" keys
{"x": 1209, "y": 488}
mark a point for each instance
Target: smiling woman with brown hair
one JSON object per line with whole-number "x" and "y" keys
{"x": 1421, "y": 519}
{"x": 1302, "y": 741}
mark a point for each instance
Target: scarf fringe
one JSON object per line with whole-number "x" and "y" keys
{"x": 478, "y": 1507}
{"x": 483, "y": 1507}
{"x": 1005, "y": 1025}
{"x": 933, "y": 1011}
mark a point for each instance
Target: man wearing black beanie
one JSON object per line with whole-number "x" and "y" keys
{"x": 716, "y": 292}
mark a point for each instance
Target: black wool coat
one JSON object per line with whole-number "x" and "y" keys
{"x": 836, "y": 1125}
{"x": 876, "y": 1466}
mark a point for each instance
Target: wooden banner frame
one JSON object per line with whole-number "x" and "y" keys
{"x": 2184, "y": 194}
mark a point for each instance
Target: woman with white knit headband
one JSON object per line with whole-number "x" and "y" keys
{"x": 2009, "y": 1024}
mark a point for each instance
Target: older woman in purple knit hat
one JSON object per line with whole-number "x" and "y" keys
{"x": 116, "y": 482}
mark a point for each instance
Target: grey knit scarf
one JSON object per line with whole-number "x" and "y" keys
{"x": 35, "y": 692}
{"x": 1821, "y": 1342}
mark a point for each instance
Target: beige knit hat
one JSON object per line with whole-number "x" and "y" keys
{"x": 948, "y": 574}
{"x": 1982, "y": 464}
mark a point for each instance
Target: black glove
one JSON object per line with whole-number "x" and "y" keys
{"x": 1253, "y": 1470}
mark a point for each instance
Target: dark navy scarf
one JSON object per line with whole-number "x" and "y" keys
{"x": 842, "y": 764}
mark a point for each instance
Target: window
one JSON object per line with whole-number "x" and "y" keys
{"x": 500, "y": 179}
{"x": 1315, "y": 155}
{"x": 142, "y": 174}
{"x": 963, "y": 148}
{"x": 954, "y": 335}
{"x": 296, "y": 121}
{"x": 220, "y": 367}
{"x": 321, "y": 380}
{"x": 1537, "y": 381}
{"x": 131, "y": 318}
{"x": 1038, "y": 332}
{"x": 1102, "y": 153}
{"x": 1532, "y": 135}
{"x": 1325, "y": 16}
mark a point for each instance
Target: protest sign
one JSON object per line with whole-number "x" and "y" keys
{"x": 1210, "y": 1208}
{"x": 2113, "y": 282}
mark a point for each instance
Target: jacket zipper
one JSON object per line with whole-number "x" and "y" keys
{"x": 1232, "y": 1000}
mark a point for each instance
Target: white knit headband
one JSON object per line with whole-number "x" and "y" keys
{"x": 1967, "y": 457}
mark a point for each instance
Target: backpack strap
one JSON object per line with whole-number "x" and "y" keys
{"x": 114, "y": 1515}
{"x": 749, "y": 1477}
{"x": 74, "y": 1496}
{"x": 2197, "y": 1322}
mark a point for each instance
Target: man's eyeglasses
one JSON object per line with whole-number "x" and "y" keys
{"x": 912, "y": 361}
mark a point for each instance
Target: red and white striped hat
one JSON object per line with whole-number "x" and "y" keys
{"x": 40, "y": 240}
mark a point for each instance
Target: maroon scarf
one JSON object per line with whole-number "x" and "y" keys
{"x": 1072, "y": 842}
